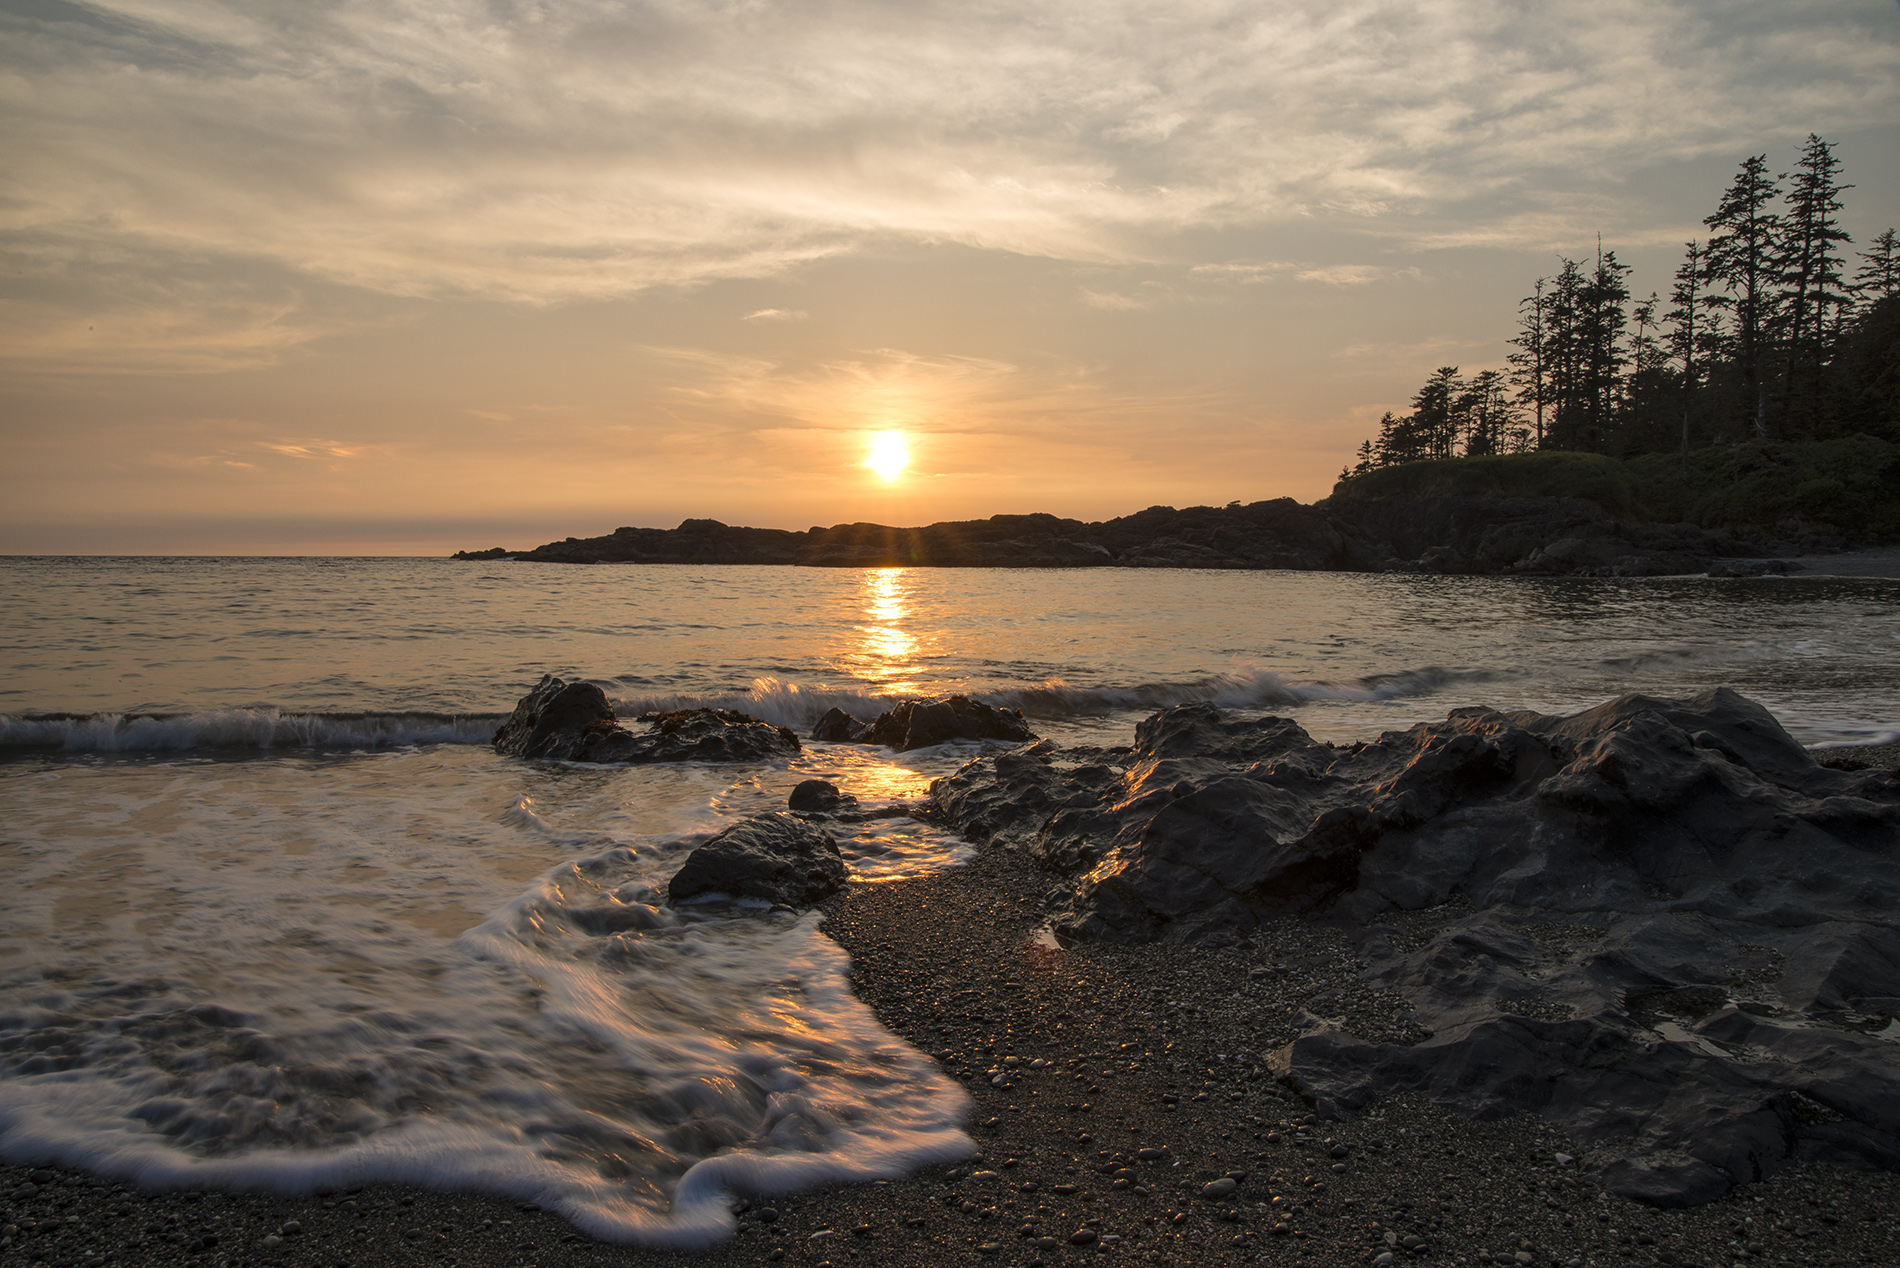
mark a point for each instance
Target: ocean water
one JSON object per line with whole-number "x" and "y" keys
{"x": 279, "y": 918}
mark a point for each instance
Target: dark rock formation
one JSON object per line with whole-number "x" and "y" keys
{"x": 1451, "y": 534}
{"x": 777, "y": 858}
{"x": 820, "y": 796}
{"x": 572, "y": 722}
{"x": 493, "y": 552}
{"x": 837, "y": 727}
{"x": 921, "y": 723}
{"x": 1661, "y": 923}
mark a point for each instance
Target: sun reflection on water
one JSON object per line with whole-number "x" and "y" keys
{"x": 886, "y": 654}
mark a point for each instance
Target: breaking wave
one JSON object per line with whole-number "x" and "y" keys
{"x": 774, "y": 700}
{"x": 1246, "y": 686}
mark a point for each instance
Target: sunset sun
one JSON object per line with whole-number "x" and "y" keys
{"x": 889, "y": 455}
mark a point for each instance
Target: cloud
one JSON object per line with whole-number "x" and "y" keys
{"x": 1111, "y": 301}
{"x": 1355, "y": 274}
{"x": 777, "y": 314}
{"x": 539, "y": 151}
{"x": 312, "y": 449}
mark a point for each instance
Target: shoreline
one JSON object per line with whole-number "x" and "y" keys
{"x": 1172, "y": 1047}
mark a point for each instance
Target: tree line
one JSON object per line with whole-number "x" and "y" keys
{"x": 1764, "y": 335}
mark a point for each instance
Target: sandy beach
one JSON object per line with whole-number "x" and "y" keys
{"x": 1154, "y": 1084}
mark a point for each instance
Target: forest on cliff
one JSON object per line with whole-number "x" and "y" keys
{"x": 1769, "y": 336}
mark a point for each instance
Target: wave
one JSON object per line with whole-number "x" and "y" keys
{"x": 1246, "y": 686}
{"x": 241, "y": 729}
{"x": 774, "y": 700}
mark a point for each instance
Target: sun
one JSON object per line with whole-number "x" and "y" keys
{"x": 890, "y": 454}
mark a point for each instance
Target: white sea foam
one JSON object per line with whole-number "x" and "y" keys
{"x": 307, "y": 993}
{"x": 1245, "y": 686}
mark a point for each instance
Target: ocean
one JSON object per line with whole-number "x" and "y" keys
{"x": 277, "y": 918}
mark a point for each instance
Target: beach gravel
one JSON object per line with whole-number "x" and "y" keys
{"x": 1116, "y": 1089}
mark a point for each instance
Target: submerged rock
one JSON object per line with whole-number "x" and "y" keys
{"x": 572, "y": 722}
{"x": 820, "y": 796}
{"x": 776, "y": 858}
{"x": 1658, "y": 922}
{"x": 922, "y": 723}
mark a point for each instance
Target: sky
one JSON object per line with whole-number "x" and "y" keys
{"x": 395, "y": 277}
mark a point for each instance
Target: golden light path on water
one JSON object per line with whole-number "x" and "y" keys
{"x": 886, "y": 654}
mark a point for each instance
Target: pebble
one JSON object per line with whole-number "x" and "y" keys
{"x": 1082, "y": 1237}
{"x": 1220, "y": 1188}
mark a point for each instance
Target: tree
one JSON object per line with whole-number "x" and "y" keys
{"x": 1435, "y": 414}
{"x": 1879, "y": 275}
{"x": 1603, "y": 318}
{"x": 1689, "y": 329}
{"x": 1741, "y": 258}
{"x": 1529, "y": 372}
{"x": 1813, "y": 294}
{"x": 1485, "y": 407}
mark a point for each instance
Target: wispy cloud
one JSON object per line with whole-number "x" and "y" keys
{"x": 577, "y": 148}
{"x": 777, "y": 314}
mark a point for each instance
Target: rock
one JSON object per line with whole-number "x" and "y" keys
{"x": 819, "y": 796}
{"x": 1652, "y": 921}
{"x": 1082, "y": 1237}
{"x": 776, "y": 858}
{"x": 837, "y": 727}
{"x": 921, "y": 723}
{"x": 1214, "y": 1190}
{"x": 572, "y": 722}
{"x": 553, "y": 719}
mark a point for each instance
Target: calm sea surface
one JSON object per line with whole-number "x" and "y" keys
{"x": 277, "y": 917}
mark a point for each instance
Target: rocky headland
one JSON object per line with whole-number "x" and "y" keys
{"x": 1447, "y": 535}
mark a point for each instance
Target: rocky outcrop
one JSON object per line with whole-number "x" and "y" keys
{"x": 776, "y": 859}
{"x": 1454, "y": 534}
{"x": 572, "y": 722}
{"x": 1659, "y": 922}
{"x": 921, "y": 723}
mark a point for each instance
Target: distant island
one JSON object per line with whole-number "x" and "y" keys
{"x": 1732, "y": 508}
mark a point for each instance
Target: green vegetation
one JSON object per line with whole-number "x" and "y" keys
{"x": 1849, "y": 486}
{"x": 1767, "y": 342}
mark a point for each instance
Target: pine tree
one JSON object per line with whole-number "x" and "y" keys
{"x": 1813, "y": 293}
{"x": 1529, "y": 371}
{"x": 1689, "y": 329}
{"x": 1603, "y": 358}
{"x": 1879, "y": 275}
{"x": 1435, "y": 414}
{"x": 1566, "y": 356}
{"x": 1741, "y": 258}
{"x": 1485, "y": 407}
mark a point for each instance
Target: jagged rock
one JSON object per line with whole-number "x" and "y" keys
{"x": 777, "y": 858}
{"x": 555, "y": 720}
{"x": 820, "y": 796}
{"x": 1660, "y": 923}
{"x": 838, "y": 727}
{"x": 921, "y": 723}
{"x": 572, "y": 722}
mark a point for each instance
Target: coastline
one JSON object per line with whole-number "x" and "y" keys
{"x": 1172, "y": 1045}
